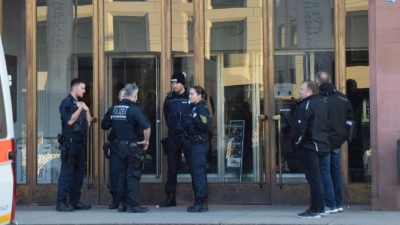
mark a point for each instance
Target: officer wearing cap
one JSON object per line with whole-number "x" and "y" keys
{"x": 132, "y": 129}
{"x": 198, "y": 129}
{"x": 75, "y": 121}
{"x": 176, "y": 114}
{"x": 113, "y": 156}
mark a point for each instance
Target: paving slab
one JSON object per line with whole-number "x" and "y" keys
{"x": 218, "y": 214}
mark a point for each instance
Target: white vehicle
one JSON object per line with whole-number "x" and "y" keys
{"x": 7, "y": 148}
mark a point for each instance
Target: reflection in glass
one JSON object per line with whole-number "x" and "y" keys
{"x": 304, "y": 46}
{"x": 64, "y": 52}
{"x": 14, "y": 44}
{"x": 132, "y": 43}
{"x": 357, "y": 88}
{"x": 233, "y": 79}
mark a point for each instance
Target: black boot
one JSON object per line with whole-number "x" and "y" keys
{"x": 115, "y": 203}
{"x": 170, "y": 201}
{"x": 200, "y": 205}
{"x": 122, "y": 207}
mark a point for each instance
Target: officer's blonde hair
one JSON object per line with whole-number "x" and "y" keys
{"x": 131, "y": 89}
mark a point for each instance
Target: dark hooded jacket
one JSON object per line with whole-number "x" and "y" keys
{"x": 310, "y": 129}
{"x": 339, "y": 111}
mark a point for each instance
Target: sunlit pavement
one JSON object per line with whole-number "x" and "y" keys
{"x": 218, "y": 214}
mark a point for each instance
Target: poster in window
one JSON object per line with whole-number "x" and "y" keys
{"x": 234, "y": 148}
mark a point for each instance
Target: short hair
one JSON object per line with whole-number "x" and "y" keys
{"x": 120, "y": 91}
{"x": 131, "y": 89}
{"x": 324, "y": 80}
{"x": 77, "y": 81}
{"x": 313, "y": 87}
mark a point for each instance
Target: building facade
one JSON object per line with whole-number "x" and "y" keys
{"x": 250, "y": 56}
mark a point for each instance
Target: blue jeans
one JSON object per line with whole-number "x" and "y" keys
{"x": 332, "y": 179}
{"x": 336, "y": 175}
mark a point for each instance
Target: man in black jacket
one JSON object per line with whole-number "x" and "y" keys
{"x": 310, "y": 140}
{"x": 339, "y": 111}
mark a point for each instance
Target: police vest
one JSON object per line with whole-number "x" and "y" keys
{"x": 179, "y": 114}
{"x": 79, "y": 128}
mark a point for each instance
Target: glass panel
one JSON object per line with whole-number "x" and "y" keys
{"x": 357, "y": 88}
{"x": 14, "y": 43}
{"x": 132, "y": 37}
{"x": 64, "y": 52}
{"x": 233, "y": 80}
{"x": 304, "y": 31}
{"x": 182, "y": 59}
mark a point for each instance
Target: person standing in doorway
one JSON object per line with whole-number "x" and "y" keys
{"x": 132, "y": 129}
{"x": 177, "y": 114}
{"x": 310, "y": 141}
{"x": 339, "y": 111}
{"x": 106, "y": 124}
{"x": 75, "y": 122}
{"x": 198, "y": 129}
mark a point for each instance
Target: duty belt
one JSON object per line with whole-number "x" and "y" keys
{"x": 130, "y": 142}
{"x": 177, "y": 134}
{"x": 76, "y": 141}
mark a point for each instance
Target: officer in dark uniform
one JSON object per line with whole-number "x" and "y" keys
{"x": 133, "y": 131}
{"x": 177, "y": 114}
{"x": 113, "y": 156}
{"x": 198, "y": 129}
{"x": 75, "y": 121}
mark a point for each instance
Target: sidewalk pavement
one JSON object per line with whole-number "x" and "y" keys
{"x": 218, "y": 214}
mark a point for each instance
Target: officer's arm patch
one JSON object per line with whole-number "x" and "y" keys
{"x": 203, "y": 119}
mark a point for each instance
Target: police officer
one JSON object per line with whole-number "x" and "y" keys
{"x": 198, "y": 129}
{"x": 133, "y": 131}
{"x": 113, "y": 157}
{"x": 75, "y": 121}
{"x": 177, "y": 114}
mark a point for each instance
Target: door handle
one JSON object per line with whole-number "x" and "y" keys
{"x": 158, "y": 149}
{"x": 261, "y": 119}
{"x": 89, "y": 163}
{"x": 278, "y": 119}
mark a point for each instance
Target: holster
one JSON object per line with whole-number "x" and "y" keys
{"x": 60, "y": 139}
{"x": 106, "y": 149}
{"x": 138, "y": 156}
{"x": 164, "y": 142}
{"x": 64, "y": 152}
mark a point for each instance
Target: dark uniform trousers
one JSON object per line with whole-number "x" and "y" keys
{"x": 199, "y": 160}
{"x": 129, "y": 189}
{"x": 114, "y": 168}
{"x": 70, "y": 180}
{"x": 174, "y": 153}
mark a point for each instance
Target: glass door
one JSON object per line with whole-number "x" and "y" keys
{"x": 304, "y": 44}
{"x": 144, "y": 71}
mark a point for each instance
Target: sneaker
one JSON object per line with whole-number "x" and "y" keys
{"x": 309, "y": 214}
{"x": 330, "y": 210}
{"x": 340, "y": 209}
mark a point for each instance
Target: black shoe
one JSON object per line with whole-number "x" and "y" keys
{"x": 62, "y": 207}
{"x": 80, "y": 206}
{"x": 170, "y": 201}
{"x": 113, "y": 205}
{"x": 122, "y": 207}
{"x": 137, "y": 209}
{"x": 200, "y": 205}
{"x": 309, "y": 214}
